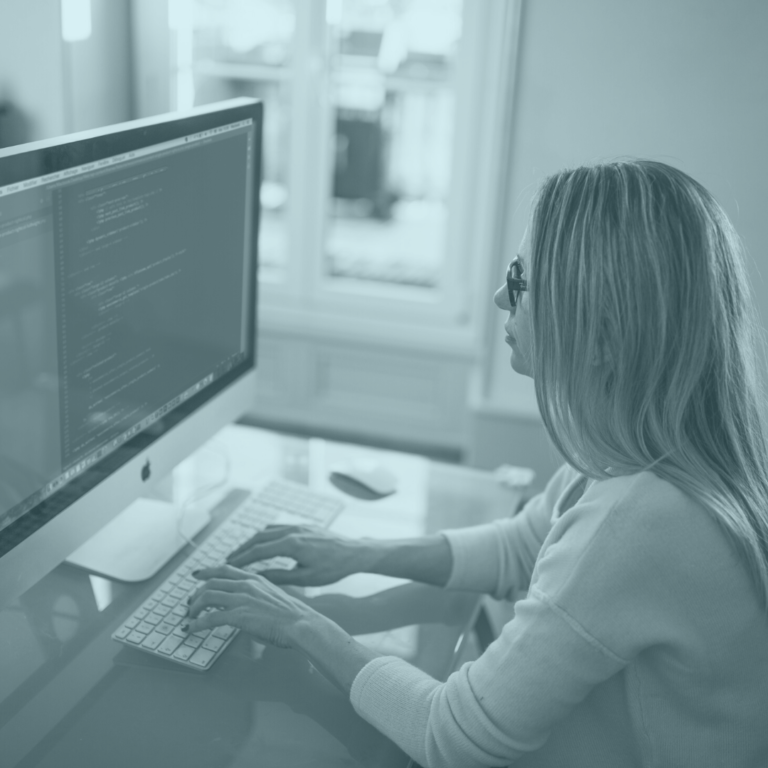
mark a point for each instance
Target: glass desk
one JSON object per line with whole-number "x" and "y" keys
{"x": 71, "y": 696}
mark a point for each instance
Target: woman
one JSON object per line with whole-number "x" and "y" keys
{"x": 643, "y": 640}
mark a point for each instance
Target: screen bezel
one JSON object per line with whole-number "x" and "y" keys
{"x": 20, "y": 164}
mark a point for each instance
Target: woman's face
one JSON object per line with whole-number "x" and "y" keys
{"x": 518, "y": 324}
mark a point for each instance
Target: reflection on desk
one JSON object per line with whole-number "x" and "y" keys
{"x": 72, "y": 689}
{"x": 71, "y": 696}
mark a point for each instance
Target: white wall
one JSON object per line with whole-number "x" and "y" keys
{"x": 34, "y": 62}
{"x": 681, "y": 81}
{"x": 30, "y": 63}
{"x": 102, "y": 93}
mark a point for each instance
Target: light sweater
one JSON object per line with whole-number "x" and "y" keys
{"x": 641, "y": 641}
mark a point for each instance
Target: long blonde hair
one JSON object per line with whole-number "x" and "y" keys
{"x": 646, "y": 340}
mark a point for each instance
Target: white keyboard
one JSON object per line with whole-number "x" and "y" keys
{"x": 154, "y": 626}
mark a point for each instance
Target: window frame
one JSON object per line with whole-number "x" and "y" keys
{"x": 448, "y": 319}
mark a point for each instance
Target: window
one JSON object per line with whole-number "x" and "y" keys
{"x": 229, "y": 48}
{"x": 372, "y": 134}
{"x": 391, "y": 67}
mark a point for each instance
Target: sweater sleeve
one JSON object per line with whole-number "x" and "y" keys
{"x": 599, "y": 595}
{"x": 493, "y": 710}
{"x": 621, "y": 572}
{"x": 498, "y": 558}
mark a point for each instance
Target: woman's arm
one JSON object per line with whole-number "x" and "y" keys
{"x": 325, "y": 636}
{"x": 336, "y": 655}
{"x": 427, "y": 559}
{"x": 324, "y": 557}
{"x": 400, "y": 606}
{"x": 498, "y": 558}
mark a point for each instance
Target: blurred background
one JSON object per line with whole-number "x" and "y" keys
{"x": 404, "y": 140}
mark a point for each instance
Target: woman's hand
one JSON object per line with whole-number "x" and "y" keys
{"x": 248, "y": 602}
{"x": 271, "y": 615}
{"x": 321, "y": 557}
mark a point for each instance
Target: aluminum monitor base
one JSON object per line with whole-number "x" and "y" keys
{"x": 137, "y": 543}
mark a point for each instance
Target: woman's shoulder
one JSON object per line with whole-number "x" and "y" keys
{"x": 645, "y": 493}
{"x": 639, "y": 504}
{"x": 644, "y": 512}
{"x": 633, "y": 527}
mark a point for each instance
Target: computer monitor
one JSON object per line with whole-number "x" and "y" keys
{"x": 128, "y": 264}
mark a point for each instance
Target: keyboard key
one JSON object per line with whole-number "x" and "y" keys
{"x": 169, "y": 645}
{"x": 157, "y": 625}
{"x": 153, "y": 640}
{"x": 183, "y": 652}
{"x": 201, "y": 657}
{"x": 213, "y": 643}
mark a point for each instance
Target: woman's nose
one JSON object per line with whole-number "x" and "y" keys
{"x": 501, "y": 299}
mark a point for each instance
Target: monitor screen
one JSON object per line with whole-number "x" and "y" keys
{"x": 127, "y": 297}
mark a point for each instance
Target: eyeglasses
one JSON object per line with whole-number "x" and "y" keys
{"x": 515, "y": 285}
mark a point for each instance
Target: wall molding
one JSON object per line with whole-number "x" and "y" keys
{"x": 383, "y": 393}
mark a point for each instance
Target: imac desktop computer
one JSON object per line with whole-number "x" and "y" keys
{"x": 128, "y": 289}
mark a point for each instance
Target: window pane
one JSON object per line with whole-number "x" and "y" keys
{"x": 392, "y": 68}
{"x": 244, "y": 48}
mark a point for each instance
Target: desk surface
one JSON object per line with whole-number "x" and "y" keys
{"x": 70, "y": 696}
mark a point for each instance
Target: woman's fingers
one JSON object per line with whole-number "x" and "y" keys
{"x": 218, "y": 593}
{"x": 270, "y": 533}
{"x": 256, "y": 606}
{"x": 215, "y": 619}
{"x": 284, "y": 546}
{"x": 295, "y": 576}
{"x": 226, "y": 577}
{"x": 295, "y": 592}
{"x": 223, "y": 572}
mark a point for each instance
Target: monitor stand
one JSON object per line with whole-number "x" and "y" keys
{"x": 137, "y": 543}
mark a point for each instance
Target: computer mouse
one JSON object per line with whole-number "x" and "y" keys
{"x": 365, "y": 480}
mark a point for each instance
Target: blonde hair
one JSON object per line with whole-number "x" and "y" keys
{"x": 645, "y": 340}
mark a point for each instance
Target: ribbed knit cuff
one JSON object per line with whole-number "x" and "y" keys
{"x": 394, "y": 697}
{"x": 474, "y": 550}
{"x": 367, "y": 676}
